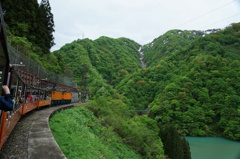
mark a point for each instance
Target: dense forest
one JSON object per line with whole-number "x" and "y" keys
{"x": 189, "y": 73}
{"x": 191, "y": 80}
{"x": 189, "y": 86}
{"x": 198, "y": 79}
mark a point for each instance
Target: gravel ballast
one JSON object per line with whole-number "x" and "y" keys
{"x": 16, "y": 146}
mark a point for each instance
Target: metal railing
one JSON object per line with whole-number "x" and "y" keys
{"x": 26, "y": 64}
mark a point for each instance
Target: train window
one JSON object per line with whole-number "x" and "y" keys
{"x": 16, "y": 91}
{"x": 29, "y": 97}
{"x": 48, "y": 95}
{"x": 34, "y": 93}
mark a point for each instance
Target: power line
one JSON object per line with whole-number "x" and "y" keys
{"x": 205, "y": 14}
{"x": 221, "y": 20}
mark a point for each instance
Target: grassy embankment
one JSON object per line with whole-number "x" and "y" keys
{"x": 80, "y": 135}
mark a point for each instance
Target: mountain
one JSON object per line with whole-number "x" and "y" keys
{"x": 188, "y": 73}
{"x": 195, "y": 87}
{"x": 171, "y": 42}
{"x": 111, "y": 57}
{"x": 191, "y": 82}
{"x": 141, "y": 87}
{"x": 99, "y": 65}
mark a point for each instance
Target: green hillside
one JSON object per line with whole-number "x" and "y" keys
{"x": 191, "y": 82}
{"x": 87, "y": 60}
{"x": 100, "y": 62}
{"x": 195, "y": 88}
{"x": 171, "y": 42}
{"x": 113, "y": 58}
{"x": 86, "y": 137}
{"x": 202, "y": 96}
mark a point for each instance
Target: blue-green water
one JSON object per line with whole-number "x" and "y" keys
{"x": 213, "y": 148}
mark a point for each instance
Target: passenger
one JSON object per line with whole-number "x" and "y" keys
{"x": 48, "y": 98}
{"x": 6, "y": 102}
{"x": 41, "y": 97}
{"x": 30, "y": 98}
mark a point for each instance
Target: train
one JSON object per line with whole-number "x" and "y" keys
{"x": 31, "y": 85}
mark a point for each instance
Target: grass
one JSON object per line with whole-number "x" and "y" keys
{"x": 80, "y": 136}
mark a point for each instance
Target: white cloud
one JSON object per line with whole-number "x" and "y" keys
{"x": 139, "y": 20}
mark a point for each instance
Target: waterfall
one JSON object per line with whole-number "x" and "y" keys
{"x": 143, "y": 64}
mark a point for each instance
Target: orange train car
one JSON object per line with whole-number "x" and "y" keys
{"x": 58, "y": 97}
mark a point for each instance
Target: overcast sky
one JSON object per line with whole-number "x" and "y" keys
{"x": 139, "y": 20}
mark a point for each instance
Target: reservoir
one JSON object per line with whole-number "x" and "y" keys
{"x": 213, "y": 148}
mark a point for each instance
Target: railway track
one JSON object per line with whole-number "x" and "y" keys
{"x": 32, "y": 137}
{"x": 16, "y": 147}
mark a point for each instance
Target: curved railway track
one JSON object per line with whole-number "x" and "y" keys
{"x": 32, "y": 137}
{"x": 16, "y": 147}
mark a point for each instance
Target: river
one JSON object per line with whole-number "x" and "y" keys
{"x": 213, "y": 148}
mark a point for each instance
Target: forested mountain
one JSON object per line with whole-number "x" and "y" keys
{"x": 141, "y": 87}
{"x": 98, "y": 65}
{"x": 170, "y": 43}
{"x": 196, "y": 87}
{"x": 113, "y": 58}
{"x": 106, "y": 59}
{"x": 188, "y": 73}
{"x": 191, "y": 81}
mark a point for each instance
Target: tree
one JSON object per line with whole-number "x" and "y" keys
{"x": 32, "y": 21}
{"x": 45, "y": 37}
{"x": 175, "y": 146}
{"x": 186, "y": 149}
